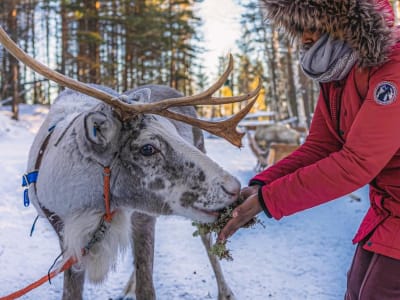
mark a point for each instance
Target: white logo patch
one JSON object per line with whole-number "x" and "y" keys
{"x": 385, "y": 93}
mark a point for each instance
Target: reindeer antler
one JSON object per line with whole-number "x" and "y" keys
{"x": 225, "y": 129}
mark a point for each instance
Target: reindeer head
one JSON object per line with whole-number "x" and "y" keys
{"x": 154, "y": 168}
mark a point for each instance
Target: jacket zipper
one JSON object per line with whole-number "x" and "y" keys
{"x": 336, "y": 105}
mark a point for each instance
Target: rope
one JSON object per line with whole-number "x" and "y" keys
{"x": 33, "y": 226}
{"x": 68, "y": 264}
{"x": 52, "y": 266}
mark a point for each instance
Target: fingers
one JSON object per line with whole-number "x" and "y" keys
{"x": 248, "y": 191}
{"x": 240, "y": 216}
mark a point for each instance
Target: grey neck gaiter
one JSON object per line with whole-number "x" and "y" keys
{"x": 328, "y": 60}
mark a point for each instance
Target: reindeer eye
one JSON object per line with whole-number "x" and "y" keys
{"x": 148, "y": 150}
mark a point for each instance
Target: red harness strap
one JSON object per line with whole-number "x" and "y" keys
{"x": 71, "y": 261}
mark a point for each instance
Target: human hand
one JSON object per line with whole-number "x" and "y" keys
{"x": 243, "y": 213}
{"x": 247, "y": 191}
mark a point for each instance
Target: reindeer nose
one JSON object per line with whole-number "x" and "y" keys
{"x": 231, "y": 194}
{"x": 231, "y": 186}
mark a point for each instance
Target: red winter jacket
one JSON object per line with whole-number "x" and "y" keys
{"x": 352, "y": 142}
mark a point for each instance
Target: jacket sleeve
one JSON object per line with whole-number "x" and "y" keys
{"x": 319, "y": 144}
{"x": 372, "y": 141}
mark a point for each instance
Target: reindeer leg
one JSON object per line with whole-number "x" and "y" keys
{"x": 224, "y": 291}
{"x": 73, "y": 280}
{"x": 73, "y": 284}
{"x": 143, "y": 234}
{"x": 140, "y": 285}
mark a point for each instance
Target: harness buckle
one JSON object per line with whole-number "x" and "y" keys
{"x": 27, "y": 180}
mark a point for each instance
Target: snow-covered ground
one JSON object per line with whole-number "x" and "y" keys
{"x": 305, "y": 256}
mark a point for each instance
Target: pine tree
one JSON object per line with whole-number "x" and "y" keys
{"x": 119, "y": 43}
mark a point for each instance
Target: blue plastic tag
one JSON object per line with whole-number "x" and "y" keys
{"x": 26, "y": 198}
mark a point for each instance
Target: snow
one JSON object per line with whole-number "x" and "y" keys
{"x": 305, "y": 256}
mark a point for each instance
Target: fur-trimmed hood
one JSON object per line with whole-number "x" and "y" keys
{"x": 366, "y": 25}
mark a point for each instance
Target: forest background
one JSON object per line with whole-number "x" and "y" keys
{"x": 124, "y": 43}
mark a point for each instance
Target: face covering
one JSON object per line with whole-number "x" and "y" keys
{"x": 328, "y": 60}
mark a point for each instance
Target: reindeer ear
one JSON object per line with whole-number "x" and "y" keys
{"x": 140, "y": 95}
{"x": 101, "y": 127}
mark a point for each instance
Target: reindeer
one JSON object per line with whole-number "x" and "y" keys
{"x": 272, "y": 143}
{"x": 141, "y": 150}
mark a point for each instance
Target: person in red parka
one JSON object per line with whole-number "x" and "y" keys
{"x": 351, "y": 48}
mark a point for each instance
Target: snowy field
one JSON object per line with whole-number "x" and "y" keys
{"x": 305, "y": 256}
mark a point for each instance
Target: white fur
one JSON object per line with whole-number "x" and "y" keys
{"x": 78, "y": 230}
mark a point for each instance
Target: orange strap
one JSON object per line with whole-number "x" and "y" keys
{"x": 70, "y": 262}
{"x": 107, "y": 174}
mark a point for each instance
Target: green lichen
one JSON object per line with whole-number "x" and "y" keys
{"x": 219, "y": 249}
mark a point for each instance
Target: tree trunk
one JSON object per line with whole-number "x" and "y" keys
{"x": 12, "y": 28}
{"x": 307, "y": 95}
{"x": 64, "y": 37}
{"x": 89, "y": 45}
{"x": 275, "y": 70}
{"x": 291, "y": 86}
{"x": 113, "y": 50}
{"x": 94, "y": 45}
{"x": 36, "y": 87}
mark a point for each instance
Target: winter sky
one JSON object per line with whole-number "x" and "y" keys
{"x": 221, "y": 29}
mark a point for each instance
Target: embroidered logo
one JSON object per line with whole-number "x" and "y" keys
{"x": 385, "y": 93}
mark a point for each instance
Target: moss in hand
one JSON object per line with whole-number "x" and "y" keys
{"x": 219, "y": 248}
